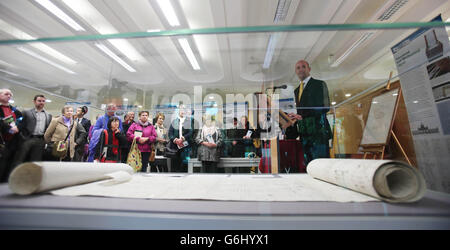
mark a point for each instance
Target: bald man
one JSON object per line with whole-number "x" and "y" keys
{"x": 313, "y": 103}
{"x": 10, "y": 119}
{"x": 102, "y": 121}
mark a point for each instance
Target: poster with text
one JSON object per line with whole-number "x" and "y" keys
{"x": 423, "y": 64}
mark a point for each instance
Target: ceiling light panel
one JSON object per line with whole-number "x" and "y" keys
{"x": 54, "y": 53}
{"x": 209, "y": 56}
{"x": 169, "y": 12}
{"x": 31, "y": 17}
{"x": 115, "y": 57}
{"x": 281, "y": 11}
{"x": 93, "y": 17}
{"x": 8, "y": 72}
{"x": 270, "y": 50}
{"x": 37, "y": 56}
{"x": 60, "y": 14}
{"x": 19, "y": 34}
{"x": 188, "y": 51}
{"x": 13, "y": 31}
{"x": 391, "y": 10}
{"x": 352, "y": 48}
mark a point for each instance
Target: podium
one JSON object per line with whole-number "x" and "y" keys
{"x": 289, "y": 157}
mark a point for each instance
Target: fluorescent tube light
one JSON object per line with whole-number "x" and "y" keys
{"x": 355, "y": 45}
{"x": 127, "y": 49}
{"x": 169, "y": 12}
{"x": 7, "y": 64}
{"x": 94, "y": 18}
{"x": 115, "y": 57}
{"x": 8, "y": 72}
{"x": 281, "y": 11}
{"x": 37, "y": 56}
{"x": 52, "y": 52}
{"x": 17, "y": 33}
{"x": 188, "y": 51}
{"x": 393, "y": 8}
{"x": 60, "y": 14}
{"x": 270, "y": 50}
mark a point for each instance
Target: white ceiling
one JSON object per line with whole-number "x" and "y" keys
{"x": 229, "y": 63}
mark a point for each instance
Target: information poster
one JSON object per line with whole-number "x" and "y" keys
{"x": 423, "y": 64}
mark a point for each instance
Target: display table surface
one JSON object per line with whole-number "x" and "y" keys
{"x": 45, "y": 211}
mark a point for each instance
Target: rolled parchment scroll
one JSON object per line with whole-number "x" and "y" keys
{"x": 388, "y": 180}
{"x": 34, "y": 177}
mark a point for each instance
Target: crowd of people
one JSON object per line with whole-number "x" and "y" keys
{"x": 34, "y": 135}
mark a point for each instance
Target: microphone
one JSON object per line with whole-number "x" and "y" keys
{"x": 278, "y": 87}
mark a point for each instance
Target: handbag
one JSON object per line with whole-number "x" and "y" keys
{"x": 152, "y": 154}
{"x": 170, "y": 151}
{"x": 60, "y": 148}
{"x": 134, "y": 158}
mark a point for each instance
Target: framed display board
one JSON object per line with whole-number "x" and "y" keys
{"x": 380, "y": 119}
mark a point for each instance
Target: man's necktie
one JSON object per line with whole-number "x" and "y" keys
{"x": 300, "y": 91}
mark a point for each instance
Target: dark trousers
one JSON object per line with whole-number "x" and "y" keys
{"x": 177, "y": 163}
{"x": 145, "y": 156}
{"x": 125, "y": 152}
{"x": 79, "y": 152}
{"x": 31, "y": 149}
{"x": 6, "y": 158}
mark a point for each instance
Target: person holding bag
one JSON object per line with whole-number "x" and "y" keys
{"x": 145, "y": 134}
{"x": 111, "y": 142}
{"x": 65, "y": 131}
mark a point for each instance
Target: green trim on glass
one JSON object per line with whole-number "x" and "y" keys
{"x": 230, "y": 30}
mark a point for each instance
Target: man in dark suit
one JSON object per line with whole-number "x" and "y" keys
{"x": 35, "y": 122}
{"x": 86, "y": 123}
{"x": 313, "y": 103}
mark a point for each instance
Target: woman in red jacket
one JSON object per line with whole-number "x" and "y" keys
{"x": 145, "y": 135}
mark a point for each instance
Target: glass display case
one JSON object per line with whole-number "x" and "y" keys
{"x": 138, "y": 60}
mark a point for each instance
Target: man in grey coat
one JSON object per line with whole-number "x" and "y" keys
{"x": 35, "y": 122}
